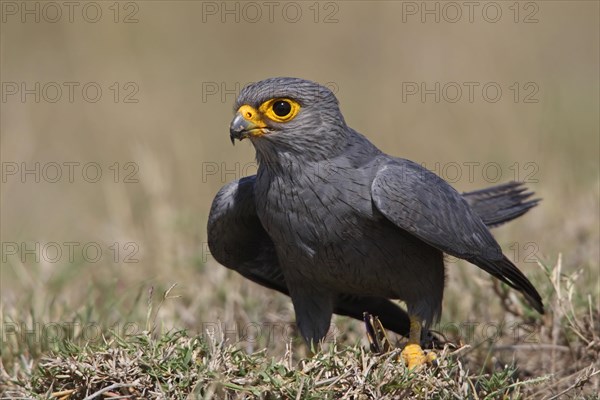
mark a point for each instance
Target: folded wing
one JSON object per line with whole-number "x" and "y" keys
{"x": 421, "y": 203}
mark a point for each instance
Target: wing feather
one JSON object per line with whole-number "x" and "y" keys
{"x": 421, "y": 203}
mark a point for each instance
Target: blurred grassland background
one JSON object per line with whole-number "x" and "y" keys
{"x": 176, "y": 134}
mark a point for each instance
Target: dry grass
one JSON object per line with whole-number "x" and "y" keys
{"x": 177, "y": 366}
{"x": 557, "y": 357}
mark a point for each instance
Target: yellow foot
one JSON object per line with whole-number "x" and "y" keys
{"x": 414, "y": 356}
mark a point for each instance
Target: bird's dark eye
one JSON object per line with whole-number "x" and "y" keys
{"x": 281, "y": 108}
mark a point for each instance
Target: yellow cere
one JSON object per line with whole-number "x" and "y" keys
{"x": 250, "y": 114}
{"x": 277, "y": 110}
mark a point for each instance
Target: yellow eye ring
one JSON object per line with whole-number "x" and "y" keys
{"x": 280, "y": 109}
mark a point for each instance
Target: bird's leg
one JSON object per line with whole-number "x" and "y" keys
{"x": 413, "y": 355}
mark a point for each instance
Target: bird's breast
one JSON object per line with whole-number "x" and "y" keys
{"x": 326, "y": 230}
{"x": 310, "y": 214}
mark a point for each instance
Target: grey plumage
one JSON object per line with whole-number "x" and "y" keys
{"x": 499, "y": 204}
{"x": 341, "y": 227}
{"x": 237, "y": 240}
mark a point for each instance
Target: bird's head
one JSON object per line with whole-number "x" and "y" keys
{"x": 287, "y": 112}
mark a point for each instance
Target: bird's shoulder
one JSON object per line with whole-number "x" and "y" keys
{"x": 234, "y": 197}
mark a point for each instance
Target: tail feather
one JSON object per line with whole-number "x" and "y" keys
{"x": 502, "y": 203}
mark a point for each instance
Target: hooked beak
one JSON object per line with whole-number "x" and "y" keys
{"x": 246, "y": 123}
